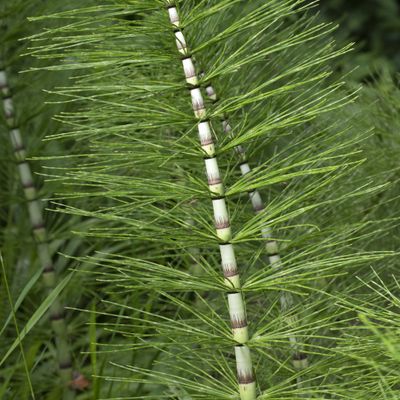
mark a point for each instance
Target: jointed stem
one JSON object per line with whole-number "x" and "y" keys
{"x": 299, "y": 359}
{"x": 40, "y": 235}
{"x": 237, "y": 311}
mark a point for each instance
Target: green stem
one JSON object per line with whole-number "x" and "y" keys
{"x": 49, "y": 277}
{"x": 236, "y": 304}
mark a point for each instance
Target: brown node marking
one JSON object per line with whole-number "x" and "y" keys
{"x": 189, "y": 76}
{"x": 213, "y": 180}
{"x": 197, "y": 105}
{"x": 28, "y": 185}
{"x": 206, "y": 141}
{"x": 230, "y": 270}
{"x": 245, "y": 379}
{"x": 222, "y": 223}
{"x": 237, "y": 323}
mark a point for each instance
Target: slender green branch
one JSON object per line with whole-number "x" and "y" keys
{"x": 236, "y": 304}
{"x": 40, "y": 235}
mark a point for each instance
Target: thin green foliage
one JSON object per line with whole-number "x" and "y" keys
{"x": 19, "y": 343}
{"x": 125, "y": 174}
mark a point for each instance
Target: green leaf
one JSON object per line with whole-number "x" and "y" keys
{"x": 37, "y": 315}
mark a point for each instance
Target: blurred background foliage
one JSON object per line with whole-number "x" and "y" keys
{"x": 374, "y": 25}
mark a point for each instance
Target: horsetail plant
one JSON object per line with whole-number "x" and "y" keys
{"x": 299, "y": 358}
{"x": 237, "y": 309}
{"x": 140, "y": 169}
{"x": 40, "y": 235}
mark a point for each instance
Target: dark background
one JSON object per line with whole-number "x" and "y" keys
{"x": 375, "y": 27}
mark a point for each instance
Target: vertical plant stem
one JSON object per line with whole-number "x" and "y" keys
{"x": 299, "y": 359}
{"x": 40, "y": 235}
{"x": 236, "y": 304}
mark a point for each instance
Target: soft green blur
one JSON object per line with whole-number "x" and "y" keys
{"x": 375, "y": 26}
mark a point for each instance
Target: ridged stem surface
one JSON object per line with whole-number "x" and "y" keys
{"x": 236, "y": 304}
{"x": 299, "y": 359}
{"x": 56, "y": 311}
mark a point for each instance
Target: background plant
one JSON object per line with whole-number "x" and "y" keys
{"x": 375, "y": 27}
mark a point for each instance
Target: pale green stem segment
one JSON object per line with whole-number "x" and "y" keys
{"x": 39, "y": 232}
{"x": 299, "y": 359}
{"x": 236, "y": 304}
